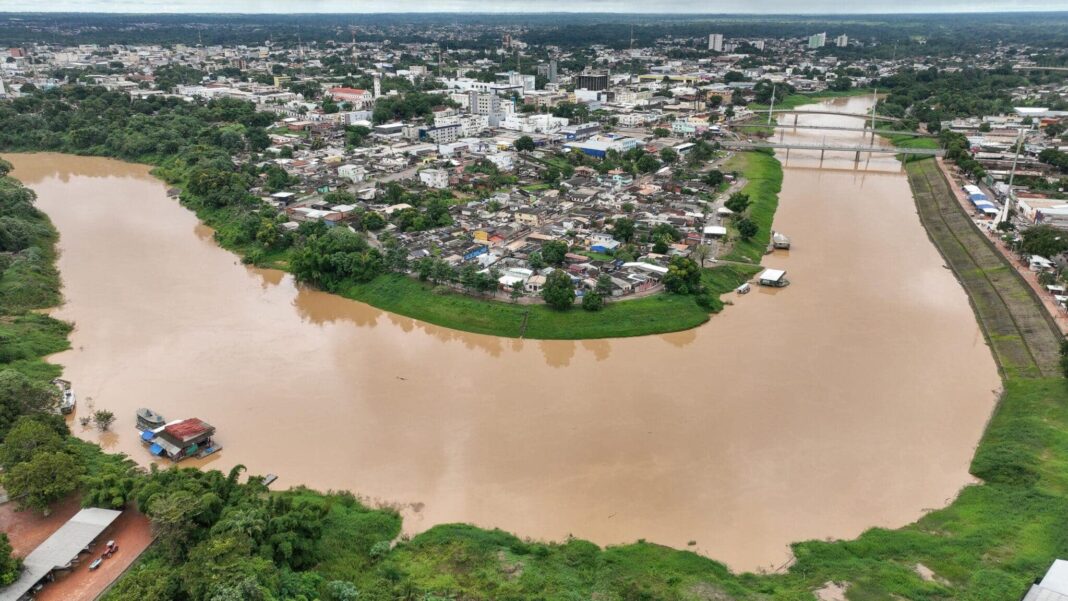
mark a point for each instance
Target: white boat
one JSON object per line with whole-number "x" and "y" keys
{"x": 68, "y": 400}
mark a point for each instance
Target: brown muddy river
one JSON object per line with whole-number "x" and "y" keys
{"x": 853, "y": 398}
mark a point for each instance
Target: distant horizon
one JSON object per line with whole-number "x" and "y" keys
{"x": 695, "y": 8}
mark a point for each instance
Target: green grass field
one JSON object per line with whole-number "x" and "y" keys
{"x": 764, "y": 181}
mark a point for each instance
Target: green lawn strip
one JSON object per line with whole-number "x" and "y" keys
{"x": 763, "y": 175}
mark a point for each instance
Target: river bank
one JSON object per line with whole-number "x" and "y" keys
{"x": 691, "y": 413}
{"x": 990, "y": 541}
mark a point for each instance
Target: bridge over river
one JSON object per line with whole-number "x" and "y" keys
{"x": 823, "y": 148}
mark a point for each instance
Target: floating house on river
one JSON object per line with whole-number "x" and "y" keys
{"x": 775, "y": 278}
{"x": 181, "y": 439}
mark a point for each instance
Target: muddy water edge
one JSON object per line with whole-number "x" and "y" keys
{"x": 853, "y": 398}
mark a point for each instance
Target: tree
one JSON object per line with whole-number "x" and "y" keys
{"x": 668, "y": 155}
{"x": 10, "y": 566}
{"x": 44, "y": 479}
{"x": 20, "y": 396}
{"x": 25, "y": 439}
{"x": 554, "y": 252}
{"x": 174, "y": 519}
{"x": 516, "y": 293}
{"x": 103, "y": 419}
{"x": 592, "y": 301}
{"x": 738, "y": 202}
{"x": 558, "y": 292}
{"x": 1043, "y": 240}
{"x": 841, "y": 84}
{"x": 660, "y": 245}
{"x": 714, "y": 178}
{"x": 661, "y": 132}
{"x": 604, "y": 285}
{"x": 683, "y": 276}
{"x": 700, "y": 254}
{"x": 623, "y": 229}
{"x": 647, "y": 163}
{"x": 340, "y": 590}
{"x": 524, "y": 144}
{"x": 747, "y": 228}
{"x": 536, "y": 261}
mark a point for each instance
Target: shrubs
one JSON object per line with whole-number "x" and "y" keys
{"x": 592, "y": 301}
{"x": 1005, "y": 463}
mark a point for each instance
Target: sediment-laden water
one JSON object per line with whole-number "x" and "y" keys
{"x": 853, "y": 398}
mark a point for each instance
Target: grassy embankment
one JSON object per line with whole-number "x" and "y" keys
{"x": 763, "y": 174}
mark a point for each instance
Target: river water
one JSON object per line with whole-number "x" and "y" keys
{"x": 853, "y": 398}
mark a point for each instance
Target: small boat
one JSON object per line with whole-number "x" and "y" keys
{"x": 780, "y": 241}
{"x": 148, "y": 419}
{"x": 269, "y": 479}
{"x": 743, "y": 289}
{"x": 68, "y": 400}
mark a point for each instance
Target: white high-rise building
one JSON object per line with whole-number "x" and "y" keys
{"x": 715, "y": 42}
{"x": 842, "y": 41}
{"x": 818, "y": 40}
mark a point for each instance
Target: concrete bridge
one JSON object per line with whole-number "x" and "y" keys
{"x": 795, "y": 113}
{"x": 1037, "y": 68}
{"x": 865, "y": 129}
{"x": 823, "y": 148}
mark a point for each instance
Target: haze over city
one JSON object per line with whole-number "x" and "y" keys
{"x": 813, "y": 7}
{"x": 551, "y": 301}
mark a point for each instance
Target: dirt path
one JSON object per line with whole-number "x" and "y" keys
{"x": 1023, "y": 337}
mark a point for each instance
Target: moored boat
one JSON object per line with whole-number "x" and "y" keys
{"x": 67, "y": 401}
{"x": 148, "y": 419}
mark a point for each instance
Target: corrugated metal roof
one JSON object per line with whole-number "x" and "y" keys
{"x": 60, "y": 548}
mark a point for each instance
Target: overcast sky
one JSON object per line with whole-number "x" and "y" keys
{"x": 491, "y": 6}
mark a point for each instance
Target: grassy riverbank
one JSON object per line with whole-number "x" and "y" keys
{"x": 763, "y": 174}
{"x": 658, "y": 313}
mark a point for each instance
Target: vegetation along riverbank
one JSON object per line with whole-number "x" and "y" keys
{"x": 220, "y": 538}
{"x": 192, "y": 145}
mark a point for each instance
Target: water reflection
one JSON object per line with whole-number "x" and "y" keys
{"x": 772, "y": 423}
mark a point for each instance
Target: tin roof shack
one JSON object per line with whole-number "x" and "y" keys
{"x": 182, "y": 439}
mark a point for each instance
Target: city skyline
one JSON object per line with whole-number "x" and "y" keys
{"x": 772, "y": 7}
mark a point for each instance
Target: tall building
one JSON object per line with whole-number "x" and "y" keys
{"x": 842, "y": 41}
{"x": 758, "y": 44}
{"x": 591, "y": 80}
{"x": 715, "y": 42}
{"x": 818, "y": 40}
{"x": 553, "y": 70}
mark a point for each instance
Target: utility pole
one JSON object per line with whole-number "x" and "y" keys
{"x": 1012, "y": 175}
{"x": 874, "y": 103}
{"x": 772, "y": 108}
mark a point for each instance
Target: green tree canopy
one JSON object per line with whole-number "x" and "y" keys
{"x": 558, "y": 291}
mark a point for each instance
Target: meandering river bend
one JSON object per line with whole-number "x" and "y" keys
{"x": 853, "y": 398}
